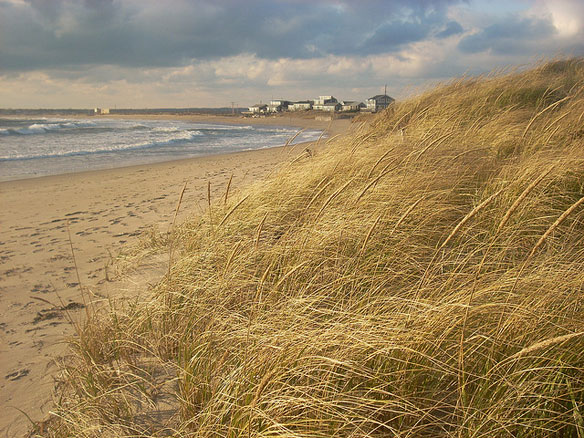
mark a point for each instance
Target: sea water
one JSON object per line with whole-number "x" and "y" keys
{"x": 31, "y": 147}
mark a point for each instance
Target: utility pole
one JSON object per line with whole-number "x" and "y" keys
{"x": 385, "y": 90}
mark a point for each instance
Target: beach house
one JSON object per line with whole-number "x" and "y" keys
{"x": 351, "y": 105}
{"x": 379, "y": 102}
{"x": 331, "y": 107}
{"x": 326, "y": 103}
{"x": 301, "y": 105}
{"x": 278, "y": 105}
{"x": 321, "y": 101}
{"x": 258, "y": 108}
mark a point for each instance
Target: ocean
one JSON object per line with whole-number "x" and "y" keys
{"x": 32, "y": 147}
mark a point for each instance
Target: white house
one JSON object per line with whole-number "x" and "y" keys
{"x": 97, "y": 111}
{"x": 301, "y": 105}
{"x": 322, "y": 101}
{"x": 258, "y": 108}
{"x": 351, "y": 105}
{"x": 277, "y": 105}
{"x": 331, "y": 107}
{"x": 379, "y": 102}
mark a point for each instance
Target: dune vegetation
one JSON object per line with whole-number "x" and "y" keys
{"x": 420, "y": 276}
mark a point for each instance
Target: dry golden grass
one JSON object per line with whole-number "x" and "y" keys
{"x": 421, "y": 277}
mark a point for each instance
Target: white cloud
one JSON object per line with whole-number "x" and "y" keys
{"x": 567, "y": 16}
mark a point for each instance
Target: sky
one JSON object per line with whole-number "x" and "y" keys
{"x": 210, "y": 53}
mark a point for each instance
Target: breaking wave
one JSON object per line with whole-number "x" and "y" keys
{"x": 182, "y": 136}
{"x": 43, "y": 128}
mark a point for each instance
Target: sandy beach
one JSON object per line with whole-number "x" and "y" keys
{"x": 103, "y": 212}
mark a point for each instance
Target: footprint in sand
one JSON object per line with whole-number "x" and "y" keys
{"x": 19, "y": 374}
{"x": 42, "y": 288}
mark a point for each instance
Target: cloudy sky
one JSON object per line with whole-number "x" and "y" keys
{"x": 194, "y": 53}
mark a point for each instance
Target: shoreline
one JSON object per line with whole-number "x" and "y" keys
{"x": 292, "y": 119}
{"x": 130, "y": 167}
{"x": 104, "y": 211}
{"x": 331, "y": 128}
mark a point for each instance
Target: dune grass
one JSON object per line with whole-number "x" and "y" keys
{"x": 423, "y": 276}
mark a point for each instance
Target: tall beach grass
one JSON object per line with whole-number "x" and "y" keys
{"x": 421, "y": 276}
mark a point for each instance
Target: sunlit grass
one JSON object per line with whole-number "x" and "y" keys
{"x": 423, "y": 276}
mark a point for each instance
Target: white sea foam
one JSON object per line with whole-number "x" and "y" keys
{"x": 43, "y": 128}
{"x": 177, "y": 137}
{"x": 33, "y": 129}
{"x": 180, "y": 137}
{"x": 165, "y": 129}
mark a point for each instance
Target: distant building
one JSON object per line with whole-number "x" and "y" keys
{"x": 327, "y": 103}
{"x": 379, "y": 102}
{"x": 258, "y": 108}
{"x": 351, "y": 105}
{"x": 278, "y": 105}
{"x": 301, "y": 105}
{"x": 322, "y": 101}
{"x": 98, "y": 111}
{"x": 331, "y": 107}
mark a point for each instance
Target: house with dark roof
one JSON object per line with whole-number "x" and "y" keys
{"x": 351, "y": 105}
{"x": 379, "y": 102}
{"x": 331, "y": 107}
{"x": 319, "y": 104}
{"x": 258, "y": 108}
{"x": 301, "y": 105}
{"x": 278, "y": 105}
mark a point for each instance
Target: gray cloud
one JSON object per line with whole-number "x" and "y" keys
{"x": 451, "y": 28}
{"x": 136, "y": 33}
{"x": 176, "y": 52}
{"x": 511, "y": 35}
